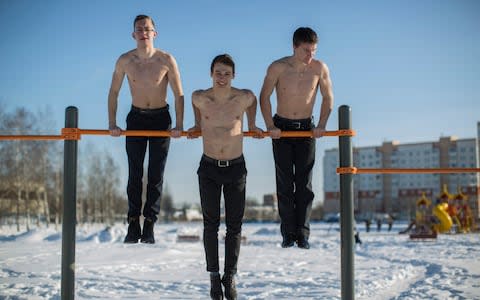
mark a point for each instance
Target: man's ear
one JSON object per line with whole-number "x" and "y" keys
{"x": 133, "y": 35}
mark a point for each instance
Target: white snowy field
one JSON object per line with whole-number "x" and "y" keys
{"x": 387, "y": 265}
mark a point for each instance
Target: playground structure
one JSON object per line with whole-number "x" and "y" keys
{"x": 71, "y": 134}
{"x": 449, "y": 214}
{"x": 466, "y": 221}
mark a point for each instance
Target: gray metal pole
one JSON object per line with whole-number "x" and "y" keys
{"x": 346, "y": 205}
{"x": 69, "y": 207}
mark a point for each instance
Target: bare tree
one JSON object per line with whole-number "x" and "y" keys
{"x": 166, "y": 204}
{"x": 25, "y": 165}
{"x": 31, "y": 175}
{"x": 101, "y": 178}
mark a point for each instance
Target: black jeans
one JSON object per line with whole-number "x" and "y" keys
{"x": 214, "y": 175}
{"x": 146, "y": 119}
{"x": 294, "y": 160}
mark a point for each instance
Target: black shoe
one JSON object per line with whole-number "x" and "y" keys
{"x": 134, "y": 231}
{"x": 147, "y": 235}
{"x": 303, "y": 243}
{"x": 216, "y": 292}
{"x": 288, "y": 241}
{"x": 228, "y": 282}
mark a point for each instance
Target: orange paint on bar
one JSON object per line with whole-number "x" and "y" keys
{"x": 75, "y": 134}
{"x": 353, "y": 170}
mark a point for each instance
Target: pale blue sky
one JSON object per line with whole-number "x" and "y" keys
{"x": 410, "y": 70}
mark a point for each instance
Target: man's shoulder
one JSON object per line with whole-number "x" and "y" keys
{"x": 319, "y": 65}
{"x": 127, "y": 55}
{"x": 279, "y": 65}
{"x": 281, "y": 62}
{"x": 243, "y": 95}
{"x": 124, "y": 59}
{"x": 201, "y": 97}
{"x": 201, "y": 93}
{"x": 164, "y": 55}
{"x": 242, "y": 92}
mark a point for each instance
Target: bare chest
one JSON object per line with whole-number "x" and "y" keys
{"x": 225, "y": 114}
{"x": 298, "y": 83}
{"x": 146, "y": 74}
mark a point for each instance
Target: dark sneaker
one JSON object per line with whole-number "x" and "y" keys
{"x": 216, "y": 291}
{"x": 303, "y": 243}
{"x": 134, "y": 231}
{"x": 228, "y": 282}
{"x": 147, "y": 235}
{"x": 288, "y": 241}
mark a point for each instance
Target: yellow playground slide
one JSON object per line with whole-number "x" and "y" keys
{"x": 440, "y": 211}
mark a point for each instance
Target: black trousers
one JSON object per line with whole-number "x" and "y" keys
{"x": 213, "y": 177}
{"x": 146, "y": 119}
{"x": 294, "y": 161}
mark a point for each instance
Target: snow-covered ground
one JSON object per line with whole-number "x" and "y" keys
{"x": 387, "y": 265}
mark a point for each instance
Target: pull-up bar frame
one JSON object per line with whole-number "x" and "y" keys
{"x": 71, "y": 134}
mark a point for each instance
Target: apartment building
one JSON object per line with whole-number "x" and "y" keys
{"x": 397, "y": 193}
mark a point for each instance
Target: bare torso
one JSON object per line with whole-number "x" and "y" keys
{"x": 296, "y": 89}
{"x": 222, "y": 122}
{"x": 147, "y": 78}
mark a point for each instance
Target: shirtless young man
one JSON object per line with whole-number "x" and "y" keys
{"x": 296, "y": 79}
{"x": 219, "y": 116}
{"x": 148, "y": 71}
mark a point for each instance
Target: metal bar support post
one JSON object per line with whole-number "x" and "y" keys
{"x": 69, "y": 207}
{"x": 346, "y": 206}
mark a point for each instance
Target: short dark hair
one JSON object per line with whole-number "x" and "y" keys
{"x": 142, "y": 17}
{"x": 223, "y": 59}
{"x": 304, "y": 35}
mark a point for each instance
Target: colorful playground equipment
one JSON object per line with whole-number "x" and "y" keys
{"x": 445, "y": 212}
{"x": 450, "y": 214}
{"x": 425, "y": 226}
{"x": 444, "y": 224}
{"x": 464, "y": 213}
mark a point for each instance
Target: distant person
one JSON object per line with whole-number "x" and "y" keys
{"x": 379, "y": 224}
{"x": 219, "y": 114}
{"x": 390, "y": 222}
{"x": 367, "y": 225}
{"x": 149, "y": 71}
{"x": 296, "y": 79}
{"x": 358, "y": 241}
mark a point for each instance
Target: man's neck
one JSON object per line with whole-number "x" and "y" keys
{"x": 297, "y": 63}
{"x": 145, "y": 52}
{"x": 221, "y": 94}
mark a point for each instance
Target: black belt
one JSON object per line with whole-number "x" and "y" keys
{"x": 223, "y": 163}
{"x": 149, "y": 110}
{"x": 289, "y": 124}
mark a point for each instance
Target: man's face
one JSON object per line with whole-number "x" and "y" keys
{"x": 305, "y": 52}
{"x": 144, "y": 31}
{"x": 222, "y": 75}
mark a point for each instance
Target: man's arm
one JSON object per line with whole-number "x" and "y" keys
{"x": 269, "y": 84}
{"x": 117, "y": 79}
{"x": 252, "y": 113}
{"x": 327, "y": 101}
{"x": 196, "y": 112}
{"x": 251, "y": 108}
{"x": 176, "y": 85}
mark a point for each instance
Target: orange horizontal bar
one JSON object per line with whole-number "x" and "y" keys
{"x": 31, "y": 137}
{"x": 166, "y": 133}
{"x": 353, "y": 170}
{"x": 75, "y": 133}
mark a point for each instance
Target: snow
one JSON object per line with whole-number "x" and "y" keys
{"x": 387, "y": 265}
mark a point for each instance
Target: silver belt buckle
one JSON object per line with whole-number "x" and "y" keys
{"x": 223, "y": 163}
{"x": 297, "y": 125}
